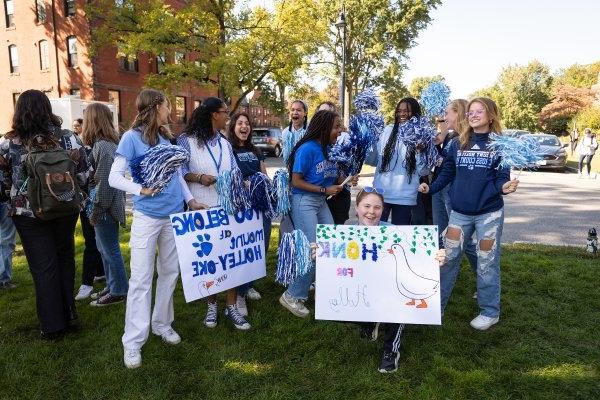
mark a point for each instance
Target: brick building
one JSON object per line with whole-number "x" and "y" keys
{"x": 46, "y": 48}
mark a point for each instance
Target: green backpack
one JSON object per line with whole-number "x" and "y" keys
{"x": 52, "y": 187}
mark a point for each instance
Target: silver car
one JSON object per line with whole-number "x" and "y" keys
{"x": 553, "y": 151}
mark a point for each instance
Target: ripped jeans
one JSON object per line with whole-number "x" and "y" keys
{"x": 488, "y": 231}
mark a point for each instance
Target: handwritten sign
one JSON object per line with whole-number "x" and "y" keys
{"x": 381, "y": 273}
{"x": 218, "y": 251}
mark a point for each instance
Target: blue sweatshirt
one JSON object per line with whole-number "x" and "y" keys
{"x": 476, "y": 179}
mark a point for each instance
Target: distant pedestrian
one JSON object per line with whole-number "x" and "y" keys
{"x": 573, "y": 137}
{"x": 587, "y": 147}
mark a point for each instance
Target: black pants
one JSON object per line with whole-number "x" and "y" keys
{"x": 582, "y": 160}
{"x": 50, "y": 251}
{"x": 92, "y": 260}
{"x": 392, "y": 334}
{"x": 401, "y": 214}
{"x": 339, "y": 205}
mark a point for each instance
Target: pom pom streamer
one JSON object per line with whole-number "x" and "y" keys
{"x": 435, "y": 98}
{"x": 281, "y": 195}
{"x": 155, "y": 169}
{"x": 521, "y": 152}
{"x": 262, "y": 194}
{"x": 419, "y": 133}
{"x": 232, "y": 191}
{"x": 293, "y": 257}
{"x": 350, "y": 148}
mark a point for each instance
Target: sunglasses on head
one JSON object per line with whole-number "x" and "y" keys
{"x": 369, "y": 189}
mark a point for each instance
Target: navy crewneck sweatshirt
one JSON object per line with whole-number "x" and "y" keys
{"x": 476, "y": 179}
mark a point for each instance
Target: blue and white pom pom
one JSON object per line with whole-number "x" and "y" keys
{"x": 435, "y": 99}
{"x": 418, "y": 133}
{"x": 155, "y": 169}
{"x": 367, "y": 100}
{"x": 293, "y": 257}
{"x": 262, "y": 194}
{"x": 516, "y": 152}
{"x": 281, "y": 192}
{"x": 232, "y": 191}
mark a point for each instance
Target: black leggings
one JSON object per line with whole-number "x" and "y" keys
{"x": 401, "y": 214}
{"x": 589, "y": 162}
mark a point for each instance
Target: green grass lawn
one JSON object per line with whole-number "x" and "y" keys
{"x": 546, "y": 346}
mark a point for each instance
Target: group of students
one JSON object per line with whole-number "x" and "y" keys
{"x": 468, "y": 186}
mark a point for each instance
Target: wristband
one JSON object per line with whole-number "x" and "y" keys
{"x": 323, "y": 190}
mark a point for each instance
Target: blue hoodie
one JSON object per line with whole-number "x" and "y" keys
{"x": 476, "y": 179}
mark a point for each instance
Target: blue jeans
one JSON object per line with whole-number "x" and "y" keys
{"x": 441, "y": 209}
{"x": 243, "y": 289}
{"x": 7, "y": 243}
{"x": 486, "y": 227}
{"x": 107, "y": 241}
{"x": 308, "y": 210}
{"x": 401, "y": 214}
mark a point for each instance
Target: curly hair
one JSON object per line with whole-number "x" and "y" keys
{"x": 33, "y": 116}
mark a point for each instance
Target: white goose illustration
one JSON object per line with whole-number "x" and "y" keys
{"x": 410, "y": 283}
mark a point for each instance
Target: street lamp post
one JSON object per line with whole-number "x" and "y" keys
{"x": 341, "y": 26}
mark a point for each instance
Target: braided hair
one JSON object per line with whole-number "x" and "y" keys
{"x": 200, "y": 124}
{"x": 319, "y": 129}
{"x": 410, "y": 161}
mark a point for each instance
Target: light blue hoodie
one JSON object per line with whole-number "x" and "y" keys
{"x": 395, "y": 181}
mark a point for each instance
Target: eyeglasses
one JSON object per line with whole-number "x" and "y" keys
{"x": 474, "y": 113}
{"x": 369, "y": 189}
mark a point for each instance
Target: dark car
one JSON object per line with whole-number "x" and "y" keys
{"x": 515, "y": 132}
{"x": 268, "y": 140}
{"x": 553, "y": 151}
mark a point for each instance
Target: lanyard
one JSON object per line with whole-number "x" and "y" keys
{"x": 217, "y": 164}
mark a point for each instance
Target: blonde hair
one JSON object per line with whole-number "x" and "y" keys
{"x": 459, "y": 106}
{"x": 147, "y": 117}
{"x": 97, "y": 125}
{"x": 493, "y": 114}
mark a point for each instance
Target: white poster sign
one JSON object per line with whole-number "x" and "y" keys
{"x": 218, "y": 251}
{"x": 380, "y": 273}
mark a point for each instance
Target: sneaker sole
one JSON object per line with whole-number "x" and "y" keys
{"x": 133, "y": 366}
{"x": 210, "y": 325}
{"x": 293, "y": 311}
{"x": 483, "y": 328}
{"x": 96, "y": 304}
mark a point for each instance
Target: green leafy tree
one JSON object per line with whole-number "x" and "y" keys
{"x": 233, "y": 51}
{"x": 579, "y": 76}
{"x": 588, "y": 118}
{"x": 418, "y": 84}
{"x": 379, "y": 33}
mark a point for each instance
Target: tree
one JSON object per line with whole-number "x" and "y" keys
{"x": 234, "y": 51}
{"x": 521, "y": 92}
{"x": 588, "y": 118}
{"x": 567, "y": 102}
{"x": 579, "y": 76}
{"x": 379, "y": 32}
{"x": 418, "y": 84}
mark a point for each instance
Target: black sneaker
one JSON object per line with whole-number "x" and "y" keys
{"x": 107, "y": 300}
{"x": 236, "y": 318}
{"x": 369, "y": 331}
{"x": 102, "y": 293}
{"x": 389, "y": 362}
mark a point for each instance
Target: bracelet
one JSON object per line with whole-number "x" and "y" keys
{"x": 200, "y": 179}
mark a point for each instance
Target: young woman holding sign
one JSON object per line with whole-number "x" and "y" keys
{"x": 150, "y": 229}
{"x": 369, "y": 208}
{"x": 210, "y": 155}
{"x": 313, "y": 179}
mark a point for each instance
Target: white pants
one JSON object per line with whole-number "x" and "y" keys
{"x": 146, "y": 234}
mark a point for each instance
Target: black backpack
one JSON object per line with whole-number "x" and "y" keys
{"x": 52, "y": 187}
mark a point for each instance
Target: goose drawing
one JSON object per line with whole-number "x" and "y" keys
{"x": 410, "y": 283}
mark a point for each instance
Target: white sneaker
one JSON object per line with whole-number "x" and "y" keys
{"x": 482, "y": 323}
{"x": 211, "y": 315}
{"x": 293, "y": 305}
{"x": 169, "y": 336}
{"x": 240, "y": 304}
{"x": 84, "y": 292}
{"x": 132, "y": 358}
{"x": 253, "y": 294}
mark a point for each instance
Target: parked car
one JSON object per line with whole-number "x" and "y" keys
{"x": 515, "y": 132}
{"x": 268, "y": 140}
{"x": 553, "y": 151}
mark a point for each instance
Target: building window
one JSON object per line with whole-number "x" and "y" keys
{"x": 9, "y": 12}
{"x": 114, "y": 97}
{"x": 197, "y": 103}
{"x": 13, "y": 56}
{"x": 161, "y": 60}
{"x": 44, "y": 57}
{"x": 40, "y": 11}
{"x": 128, "y": 64}
{"x": 180, "y": 109}
{"x": 179, "y": 57}
{"x": 70, "y": 7}
{"x": 72, "y": 51}
{"x": 75, "y": 92}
